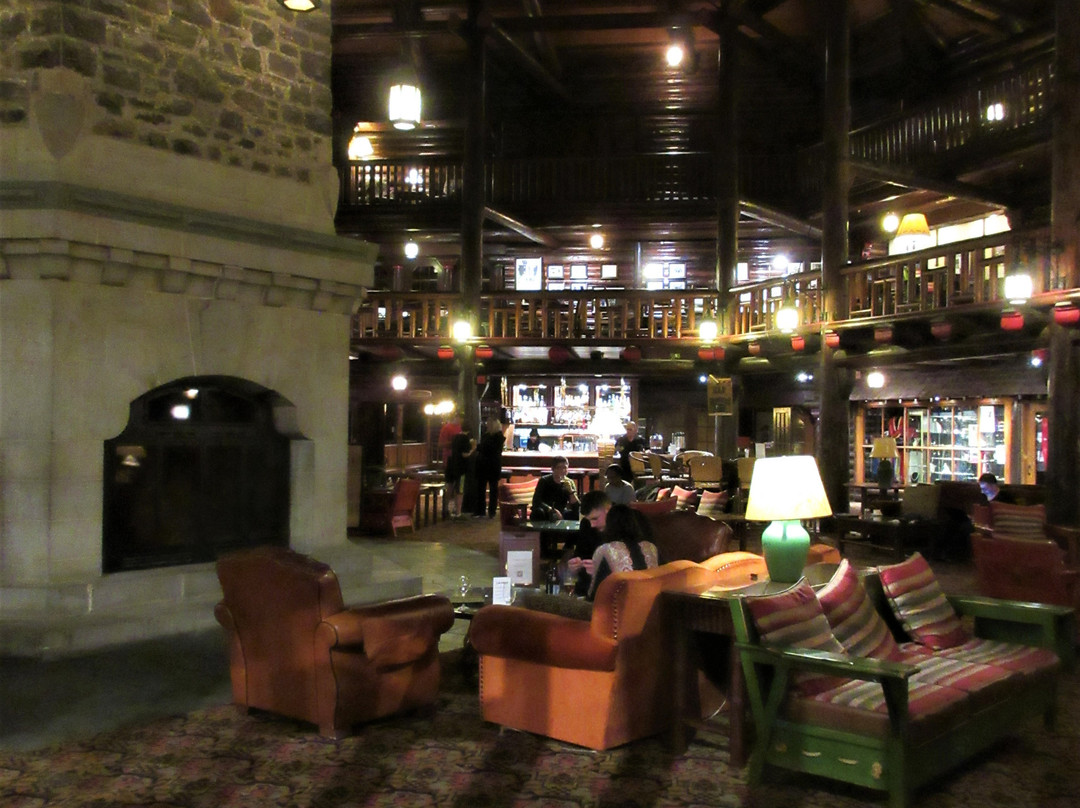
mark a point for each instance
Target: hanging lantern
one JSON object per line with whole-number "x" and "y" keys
{"x": 1012, "y": 321}
{"x": 404, "y": 107}
{"x": 1067, "y": 314}
{"x": 481, "y": 379}
{"x": 941, "y": 330}
{"x": 445, "y": 352}
{"x": 706, "y": 354}
{"x": 558, "y": 354}
{"x": 798, "y": 342}
{"x": 832, "y": 339}
{"x": 883, "y": 335}
{"x": 631, "y": 353}
{"x": 387, "y": 353}
{"x": 484, "y": 352}
{"x": 754, "y": 348}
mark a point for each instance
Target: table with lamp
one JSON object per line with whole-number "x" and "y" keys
{"x": 783, "y": 492}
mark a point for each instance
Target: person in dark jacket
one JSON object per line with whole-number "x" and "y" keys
{"x": 489, "y": 467}
{"x": 555, "y": 496}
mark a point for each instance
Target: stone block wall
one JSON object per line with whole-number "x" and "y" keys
{"x": 242, "y": 83}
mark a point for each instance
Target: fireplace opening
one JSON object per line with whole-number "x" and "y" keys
{"x": 200, "y": 469}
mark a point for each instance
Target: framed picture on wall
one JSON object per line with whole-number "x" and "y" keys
{"x": 527, "y": 275}
{"x": 579, "y": 272}
{"x": 555, "y": 271}
{"x": 608, "y": 271}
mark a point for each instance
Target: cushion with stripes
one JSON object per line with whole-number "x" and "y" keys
{"x": 1007, "y": 655}
{"x": 794, "y": 618}
{"x": 519, "y": 493}
{"x": 854, "y": 620}
{"x": 663, "y": 493}
{"x": 1017, "y": 521}
{"x": 712, "y": 503}
{"x": 919, "y": 604}
{"x": 687, "y": 497}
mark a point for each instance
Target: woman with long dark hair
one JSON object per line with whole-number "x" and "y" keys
{"x": 627, "y": 546}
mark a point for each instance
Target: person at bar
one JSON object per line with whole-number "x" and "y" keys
{"x": 627, "y": 443}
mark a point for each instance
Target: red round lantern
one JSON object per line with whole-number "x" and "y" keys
{"x": 941, "y": 330}
{"x": 481, "y": 379}
{"x": 387, "y": 353}
{"x": 832, "y": 339}
{"x": 754, "y": 348}
{"x": 798, "y": 342}
{"x": 1012, "y": 321}
{"x": 706, "y": 354}
{"x": 1067, "y": 314}
{"x": 484, "y": 352}
{"x": 445, "y": 352}
{"x": 631, "y": 353}
{"x": 558, "y": 354}
{"x": 883, "y": 335}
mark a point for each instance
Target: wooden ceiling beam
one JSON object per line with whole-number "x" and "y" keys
{"x": 520, "y": 228}
{"x": 908, "y": 179}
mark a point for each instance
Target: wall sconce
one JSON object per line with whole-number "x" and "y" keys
{"x": 462, "y": 331}
{"x": 787, "y": 317}
{"x": 412, "y": 249}
{"x": 875, "y": 379}
{"x": 301, "y": 6}
{"x": 1018, "y": 288}
{"x": 596, "y": 241}
{"x": 405, "y": 101}
{"x": 890, "y": 222}
{"x": 399, "y": 383}
{"x": 913, "y": 233}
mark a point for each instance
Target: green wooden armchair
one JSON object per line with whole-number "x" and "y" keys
{"x": 901, "y": 746}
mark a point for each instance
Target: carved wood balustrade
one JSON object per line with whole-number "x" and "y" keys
{"x": 937, "y": 280}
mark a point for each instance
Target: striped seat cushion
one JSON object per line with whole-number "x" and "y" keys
{"x": 794, "y": 618}
{"x": 920, "y": 605}
{"x": 518, "y": 493}
{"x": 686, "y": 497}
{"x": 1009, "y": 656}
{"x": 1017, "y": 521}
{"x": 854, "y": 621}
{"x": 712, "y": 503}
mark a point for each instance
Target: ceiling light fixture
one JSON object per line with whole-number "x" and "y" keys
{"x": 405, "y": 100}
{"x": 301, "y": 6}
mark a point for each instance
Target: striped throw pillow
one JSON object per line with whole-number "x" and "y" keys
{"x": 1017, "y": 521}
{"x": 663, "y": 494}
{"x": 712, "y": 503}
{"x": 920, "y": 605}
{"x": 853, "y": 619}
{"x": 794, "y": 618}
{"x": 687, "y": 497}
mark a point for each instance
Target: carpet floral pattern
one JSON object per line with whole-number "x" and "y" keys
{"x": 218, "y": 758}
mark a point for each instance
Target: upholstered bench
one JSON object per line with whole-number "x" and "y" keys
{"x": 876, "y": 680}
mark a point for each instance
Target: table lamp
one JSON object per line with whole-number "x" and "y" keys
{"x": 884, "y": 450}
{"x": 784, "y": 490}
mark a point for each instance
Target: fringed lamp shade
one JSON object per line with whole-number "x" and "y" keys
{"x": 784, "y": 490}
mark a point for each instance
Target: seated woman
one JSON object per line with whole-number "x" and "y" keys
{"x": 626, "y": 546}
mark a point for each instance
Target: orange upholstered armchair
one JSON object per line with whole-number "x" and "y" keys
{"x": 386, "y": 511}
{"x": 597, "y": 683}
{"x": 294, "y": 649}
{"x": 1032, "y": 570}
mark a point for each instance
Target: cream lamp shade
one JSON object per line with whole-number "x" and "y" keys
{"x": 913, "y": 233}
{"x": 784, "y": 490}
{"x": 883, "y": 449}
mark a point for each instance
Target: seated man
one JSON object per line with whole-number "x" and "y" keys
{"x": 988, "y": 484}
{"x": 618, "y": 490}
{"x": 555, "y": 496}
{"x": 578, "y": 557}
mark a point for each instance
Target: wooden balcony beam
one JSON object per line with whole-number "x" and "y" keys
{"x": 521, "y": 229}
{"x": 777, "y": 218}
{"x": 908, "y": 179}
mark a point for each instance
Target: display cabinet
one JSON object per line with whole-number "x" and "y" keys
{"x": 596, "y": 408}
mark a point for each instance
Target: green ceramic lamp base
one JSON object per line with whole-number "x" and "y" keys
{"x": 785, "y": 545}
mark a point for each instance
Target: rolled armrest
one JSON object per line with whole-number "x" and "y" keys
{"x": 1068, "y": 538}
{"x": 515, "y": 633}
{"x": 1039, "y": 624}
{"x": 395, "y": 632}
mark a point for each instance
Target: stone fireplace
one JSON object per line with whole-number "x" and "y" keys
{"x": 139, "y": 251}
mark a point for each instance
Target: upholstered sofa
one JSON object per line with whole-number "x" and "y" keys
{"x": 600, "y": 682}
{"x": 875, "y": 681}
{"x": 296, "y": 650}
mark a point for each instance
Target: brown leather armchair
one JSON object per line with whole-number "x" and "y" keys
{"x": 597, "y": 683}
{"x": 294, "y": 649}
{"x": 386, "y": 511}
{"x": 687, "y": 535}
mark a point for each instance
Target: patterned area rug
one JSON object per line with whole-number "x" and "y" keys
{"x": 217, "y": 757}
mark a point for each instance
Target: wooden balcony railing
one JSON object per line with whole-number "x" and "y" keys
{"x": 965, "y": 274}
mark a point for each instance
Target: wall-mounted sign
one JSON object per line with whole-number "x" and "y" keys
{"x": 721, "y": 398}
{"x": 528, "y": 276}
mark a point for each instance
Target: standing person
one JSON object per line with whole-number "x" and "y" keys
{"x": 451, "y": 428}
{"x": 627, "y": 546}
{"x": 618, "y": 490}
{"x": 627, "y": 443}
{"x": 462, "y": 447}
{"x": 555, "y": 496}
{"x": 489, "y": 467}
{"x": 532, "y": 443}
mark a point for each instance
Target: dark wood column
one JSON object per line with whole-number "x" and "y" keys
{"x": 472, "y": 208}
{"x": 1062, "y": 480}
{"x": 727, "y": 205}
{"x": 834, "y": 384}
